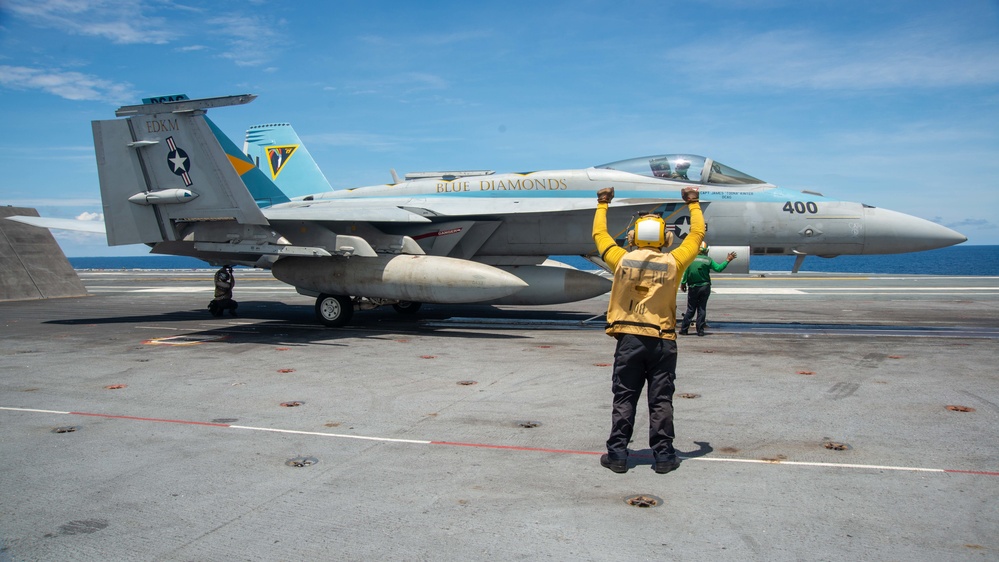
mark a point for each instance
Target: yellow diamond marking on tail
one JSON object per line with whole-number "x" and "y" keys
{"x": 241, "y": 166}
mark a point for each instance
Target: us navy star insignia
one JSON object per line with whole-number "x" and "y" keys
{"x": 179, "y": 162}
{"x": 682, "y": 227}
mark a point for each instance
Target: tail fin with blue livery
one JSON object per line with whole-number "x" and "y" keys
{"x": 278, "y": 152}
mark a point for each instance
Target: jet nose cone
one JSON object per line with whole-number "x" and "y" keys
{"x": 891, "y": 232}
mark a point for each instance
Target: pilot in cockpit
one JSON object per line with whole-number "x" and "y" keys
{"x": 660, "y": 168}
{"x": 681, "y": 170}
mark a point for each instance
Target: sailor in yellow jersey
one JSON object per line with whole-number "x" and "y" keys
{"x": 642, "y": 317}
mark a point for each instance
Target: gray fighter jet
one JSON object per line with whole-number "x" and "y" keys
{"x": 172, "y": 180}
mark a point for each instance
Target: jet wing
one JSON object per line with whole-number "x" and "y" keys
{"x": 424, "y": 209}
{"x": 344, "y": 213}
{"x": 61, "y": 224}
{"x": 517, "y": 205}
{"x": 407, "y": 211}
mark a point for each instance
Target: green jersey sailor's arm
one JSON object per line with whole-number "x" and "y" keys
{"x": 719, "y": 267}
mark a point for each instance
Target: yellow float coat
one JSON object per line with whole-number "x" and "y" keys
{"x": 643, "y": 296}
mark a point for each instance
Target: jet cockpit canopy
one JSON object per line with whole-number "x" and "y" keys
{"x": 684, "y": 168}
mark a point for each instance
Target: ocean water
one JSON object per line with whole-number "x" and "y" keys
{"x": 139, "y": 262}
{"x": 956, "y": 260}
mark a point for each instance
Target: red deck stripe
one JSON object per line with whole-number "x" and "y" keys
{"x": 185, "y": 422}
{"x": 978, "y": 472}
{"x": 450, "y": 443}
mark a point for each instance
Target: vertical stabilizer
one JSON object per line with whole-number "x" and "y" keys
{"x": 280, "y": 154}
{"x": 162, "y": 167}
{"x": 263, "y": 190}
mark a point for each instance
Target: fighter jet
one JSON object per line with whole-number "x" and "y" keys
{"x": 172, "y": 180}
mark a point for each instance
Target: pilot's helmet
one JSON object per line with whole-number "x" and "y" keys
{"x": 650, "y": 232}
{"x": 704, "y": 248}
{"x": 682, "y": 165}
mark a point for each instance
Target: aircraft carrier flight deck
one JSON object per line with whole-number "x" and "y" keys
{"x": 826, "y": 417}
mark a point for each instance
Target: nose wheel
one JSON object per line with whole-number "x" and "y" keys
{"x": 334, "y": 310}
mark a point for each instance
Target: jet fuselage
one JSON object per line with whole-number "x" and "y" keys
{"x": 768, "y": 219}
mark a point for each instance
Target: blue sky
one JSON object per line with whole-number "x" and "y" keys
{"x": 890, "y": 103}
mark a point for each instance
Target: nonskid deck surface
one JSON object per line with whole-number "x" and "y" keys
{"x": 823, "y": 417}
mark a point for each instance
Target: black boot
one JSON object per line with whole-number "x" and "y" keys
{"x": 669, "y": 463}
{"x": 619, "y": 466}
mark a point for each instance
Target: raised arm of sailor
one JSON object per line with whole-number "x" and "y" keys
{"x": 607, "y": 248}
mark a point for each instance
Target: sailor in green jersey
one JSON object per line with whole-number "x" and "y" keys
{"x": 697, "y": 278}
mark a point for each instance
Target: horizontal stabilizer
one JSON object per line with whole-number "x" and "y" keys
{"x": 183, "y": 106}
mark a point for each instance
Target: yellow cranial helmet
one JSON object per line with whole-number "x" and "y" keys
{"x": 650, "y": 232}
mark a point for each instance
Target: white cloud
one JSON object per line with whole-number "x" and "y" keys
{"x": 121, "y": 21}
{"x": 87, "y": 216}
{"x": 402, "y": 83}
{"x": 248, "y": 40}
{"x": 53, "y": 203}
{"x": 365, "y": 140}
{"x": 424, "y": 81}
{"x": 909, "y": 57}
{"x": 251, "y": 40}
{"x": 427, "y": 40}
{"x": 52, "y": 153}
{"x": 371, "y": 141}
{"x": 970, "y": 224}
{"x": 70, "y": 85}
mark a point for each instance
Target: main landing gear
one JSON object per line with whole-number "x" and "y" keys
{"x": 334, "y": 310}
{"x": 406, "y": 307}
{"x": 337, "y": 310}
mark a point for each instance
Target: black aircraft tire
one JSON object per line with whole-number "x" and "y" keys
{"x": 334, "y": 310}
{"x": 407, "y": 307}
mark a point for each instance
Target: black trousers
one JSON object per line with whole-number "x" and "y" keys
{"x": 641, "y": 360}
{"x": 222, "y": 304}
{"x": 697, "y": 301}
